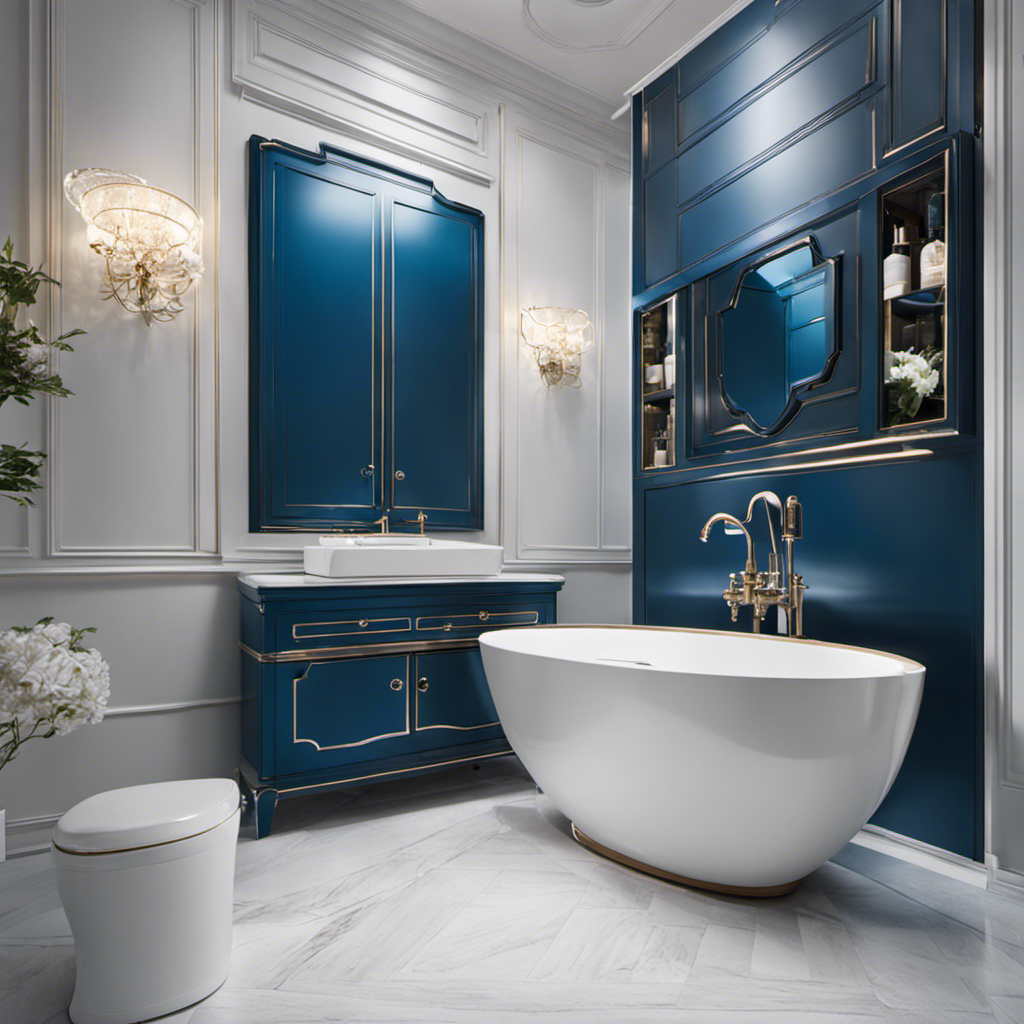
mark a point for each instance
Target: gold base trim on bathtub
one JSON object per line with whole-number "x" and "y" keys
{"x": 694, "y": 883}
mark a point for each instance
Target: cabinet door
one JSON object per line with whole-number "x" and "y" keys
{"x": 452, "y": 696}
{"x": 335, "y": 712}
{"x": 433, "y": 336}
{"x": 317, "y": 346}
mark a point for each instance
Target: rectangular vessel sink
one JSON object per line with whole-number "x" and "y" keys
{"x": 393, "y": 555}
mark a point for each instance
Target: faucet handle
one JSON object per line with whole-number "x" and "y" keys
{"x": 793, "y": 521}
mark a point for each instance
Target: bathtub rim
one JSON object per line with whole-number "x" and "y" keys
{"x": 910, "y": 667}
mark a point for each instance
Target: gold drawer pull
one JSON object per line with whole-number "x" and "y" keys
{"x": 397, "y": 684}
{"x": 423, "y": 685}
{"x": 484, "y": 616}
{"x": 363, "y": 623}
{"x": 447, "y": 627}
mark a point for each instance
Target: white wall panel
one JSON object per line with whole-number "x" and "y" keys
{"x": 323, "y": 66}
{"x": 131, "y": 452}
{"x": 566, "y": 473}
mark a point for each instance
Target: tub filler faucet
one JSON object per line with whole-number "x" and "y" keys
{"x": 761, "y": 590}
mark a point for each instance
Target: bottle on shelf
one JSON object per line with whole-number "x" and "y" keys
{"x": 896, "y": 267}
{"x": 933, "y": 255}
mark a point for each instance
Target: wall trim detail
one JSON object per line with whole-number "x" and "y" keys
{"x": 203, "y": 413}
{"x": 391, "y": 33}
{"x": 156, "y": 709}
{"x": 924, "y": 855}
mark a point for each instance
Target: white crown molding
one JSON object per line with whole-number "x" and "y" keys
{"x": 487, "y": 70}
{"x": 684, "y": 50}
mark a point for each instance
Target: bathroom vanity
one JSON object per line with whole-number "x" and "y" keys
{"x": 351, "y": 681}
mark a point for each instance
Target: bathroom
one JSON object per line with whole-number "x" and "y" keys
{"x": 823, "y": 130}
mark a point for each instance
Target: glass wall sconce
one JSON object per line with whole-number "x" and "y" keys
{"x": 150, "y": 239}
{"x": 558, "y": 337}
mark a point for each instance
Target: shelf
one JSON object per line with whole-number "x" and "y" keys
{"x": 664, "y": 395}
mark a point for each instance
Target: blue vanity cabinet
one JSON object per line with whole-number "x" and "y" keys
{"x": 366, "y": 332}
{"x": 346, "y": 683}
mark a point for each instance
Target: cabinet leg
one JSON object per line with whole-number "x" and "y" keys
{"x": 264, "y": 802}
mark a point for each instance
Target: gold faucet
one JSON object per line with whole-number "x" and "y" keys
{"x": 759, "y": 589}
{"x": 382, "y": 523}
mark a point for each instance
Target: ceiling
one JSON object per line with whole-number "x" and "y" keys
{"x": 602, "y": 46}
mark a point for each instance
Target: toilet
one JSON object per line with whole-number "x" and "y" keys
{"x": 146, "y": 877}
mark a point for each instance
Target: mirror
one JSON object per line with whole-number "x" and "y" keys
{"x": 777, "y": 336}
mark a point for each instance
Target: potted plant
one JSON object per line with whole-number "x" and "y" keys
{"x": 49, "y": 683}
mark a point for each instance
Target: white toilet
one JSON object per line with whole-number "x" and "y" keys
{"x": 146, "y": 877}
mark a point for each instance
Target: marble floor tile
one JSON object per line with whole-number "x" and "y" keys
{"x": 461, "y": 898}
{"x": 493, "y": 937}
{"x": 595, "y": 945}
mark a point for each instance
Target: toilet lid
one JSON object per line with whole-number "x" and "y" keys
{"x": 162, "y": 812}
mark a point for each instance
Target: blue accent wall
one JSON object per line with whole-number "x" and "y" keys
{"x": 793, "y": 121}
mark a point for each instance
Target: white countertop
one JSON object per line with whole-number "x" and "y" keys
{"x": 301, "y": 579}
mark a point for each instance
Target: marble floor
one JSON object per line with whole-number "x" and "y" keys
{"x": 459, "y": 897}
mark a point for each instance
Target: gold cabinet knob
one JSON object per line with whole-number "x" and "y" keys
{"x": 447, "y": 627}
{"x": 397, "y": 684}
{"x": 367, "y": 471}
{"x": 423, "y": 685}
{"x": 399, "y": 475}
{"x": 484, "y": 616}
{"x": 363, "y": 623}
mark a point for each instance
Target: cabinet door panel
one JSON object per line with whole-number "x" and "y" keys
{"x": 435, "y": 365}
{"x": 452, "y": 695}
{"x": 334, "y": 712}
{"x": 325, "y": 242}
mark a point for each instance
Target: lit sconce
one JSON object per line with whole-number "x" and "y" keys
{"x": 149, "y": 238}
{"x": 558, "y": 337}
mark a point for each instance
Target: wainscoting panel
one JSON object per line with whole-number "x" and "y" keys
{"x": 566, "y": 450}
{"x": 133, "y": 452}
{"x": 326, "y": 67}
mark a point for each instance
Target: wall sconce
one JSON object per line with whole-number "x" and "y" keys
{"x": 149, "y": 238}
{"x": 558, "y": 337}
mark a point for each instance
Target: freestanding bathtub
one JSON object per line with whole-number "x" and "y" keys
{"x": 728, "y": 761}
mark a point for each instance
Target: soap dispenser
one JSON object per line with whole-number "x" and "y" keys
{"x": 896, "y": 267}
{"x": 933, "y": 255}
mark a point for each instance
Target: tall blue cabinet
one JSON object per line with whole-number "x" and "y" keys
{"x": 366, "y": 359}
{"x": 777, "y": 168}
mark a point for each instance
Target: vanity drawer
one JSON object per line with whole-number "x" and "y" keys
{"x": 463, "y": 622}
{"x": 341, "y": 629}
{"x": 330, "y": 712}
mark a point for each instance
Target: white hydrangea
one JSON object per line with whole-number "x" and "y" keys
{"x": 36, "y": 359}
{"x": 916, "y": 371}
{"x": 44, "y": 679}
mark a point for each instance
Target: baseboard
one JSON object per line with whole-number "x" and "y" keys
{"x": 924, "y": 855}
{"x": 30, "y": 835}
{"x": 1003, "y": 880}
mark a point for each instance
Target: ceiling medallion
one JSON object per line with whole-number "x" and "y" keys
{"x": 564, "y": 25}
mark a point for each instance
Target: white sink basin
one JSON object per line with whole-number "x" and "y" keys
{"x": 392, "y": 555}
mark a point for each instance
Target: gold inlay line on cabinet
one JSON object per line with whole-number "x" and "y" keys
{"x": 448, "y": 622}
{"x": 401, "y": 625}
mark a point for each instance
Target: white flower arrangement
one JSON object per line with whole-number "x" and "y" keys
{"x": 915, "y": 377}
{"x": 49, "y": 684}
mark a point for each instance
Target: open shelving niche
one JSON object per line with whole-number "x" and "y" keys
{"x": 658, "y": 341}
{"x": 916, "y": 321}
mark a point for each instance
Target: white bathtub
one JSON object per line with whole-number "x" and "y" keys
{"x": 726, "y": 760}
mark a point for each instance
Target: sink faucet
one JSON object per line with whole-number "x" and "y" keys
{"x": 762, "y": 590}
{"x": 382, "y": 523}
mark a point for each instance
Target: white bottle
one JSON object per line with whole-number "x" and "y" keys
{"x": 896, "y": 268}
{"x": 933, "y": 255}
